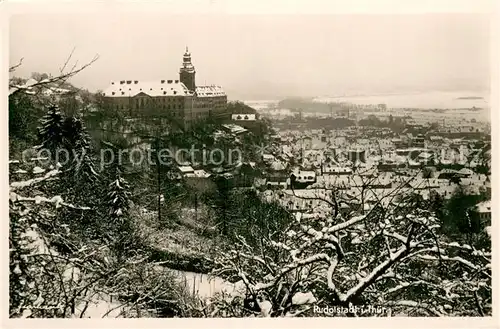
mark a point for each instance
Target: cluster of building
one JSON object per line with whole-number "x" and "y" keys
{"x": 472, "y": 121}
{"x": 306, "y": 167}
{"x": 179, "y": 99}
{"x": 362, "y": 168}
{"x": 301, "y": 169}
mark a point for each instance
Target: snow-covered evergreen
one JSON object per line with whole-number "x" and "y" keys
{"x": 50, "y": 132}
{"x": 77, "y": 141}
{"x": 118, "y": 198}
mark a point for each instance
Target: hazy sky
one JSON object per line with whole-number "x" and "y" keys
{"x": 264, "y": 56}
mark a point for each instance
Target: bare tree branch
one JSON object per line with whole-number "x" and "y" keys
{"x": 14, "y": 67}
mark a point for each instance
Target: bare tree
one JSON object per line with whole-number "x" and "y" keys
{"x": 60, "y": 79}
{"x": 390, "y": 256}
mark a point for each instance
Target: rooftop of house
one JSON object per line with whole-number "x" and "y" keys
{"x": 484, "y": 207}
{"x": 159, "y": 88}
{"x": 186, "y": 169}
{"x": 156, "y": 88}
{"x": 209, "y": 91}
{"x": 234, "y": 129}
{"x": 198, "y": 174}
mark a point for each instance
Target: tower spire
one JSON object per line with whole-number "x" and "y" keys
{"x": 187, "y": 71}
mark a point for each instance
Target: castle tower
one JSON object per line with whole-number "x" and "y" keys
{"x": 187, "y": 72}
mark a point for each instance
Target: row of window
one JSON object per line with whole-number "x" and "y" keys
{"x": 162, "y": 106}
{"x": 159, "y": 100}
{"x": 209, "y": 105}
{"x": 165, "y": 107}
{"x": 123, "y": 93}
{"x": 150, "y": 89}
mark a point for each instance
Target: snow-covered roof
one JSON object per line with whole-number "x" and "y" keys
{"x": 186, "y": 169}
{"x": 424, "y": 183}
{"x": 156, "y": 88}
{"x": 337, "y": 170}
{"x": 466, "y": 171}
{"x": 234, "y": 129}
{"x": 276, "y": 183}
{"x": 198, "y": 173}
{"x": 330, "y": 181}
{"x": 446, "y": 161}
{"x": 305, "y": 173}
{"x": 278, "y": 165}
{"x": 209, "y": 91}
{"x": 448, "y": 171}
{"x": 268, "y": 157}
{"x": 425, "y": 155}
{"x": 484, "y": 207}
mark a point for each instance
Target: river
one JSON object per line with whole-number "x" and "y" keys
{"x": 421, "y": 100}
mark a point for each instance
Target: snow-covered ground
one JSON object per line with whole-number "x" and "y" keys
{"x": 205, "y": 286}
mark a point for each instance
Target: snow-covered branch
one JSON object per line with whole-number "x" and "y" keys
{"x": 377, "y": 271}
{"x": 33, "y": 181}
{"x": 56, "y": 200}
{"x": 63, "y": 77}
{"x": 443, "y": 257}
{"x": 346, "y": 224}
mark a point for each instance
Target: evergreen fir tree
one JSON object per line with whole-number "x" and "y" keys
{"x": 78, "y": 182}
{"x": 50, "y": 133}
{"x": 74, "y": 134}
{"x": 117, "y": 199}
{"x": 117, "y": 202}
{"x": 81, "y": 167}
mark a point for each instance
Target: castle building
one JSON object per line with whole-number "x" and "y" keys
{"x": 178, "y": 99}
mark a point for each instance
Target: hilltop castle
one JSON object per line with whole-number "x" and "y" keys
{"x": 180, "y": 99}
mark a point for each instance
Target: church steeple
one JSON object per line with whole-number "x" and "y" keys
{"x": 187, "y": 71}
